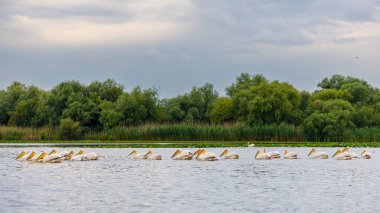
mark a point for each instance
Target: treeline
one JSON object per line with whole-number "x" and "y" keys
{"x": 255, "y": 108}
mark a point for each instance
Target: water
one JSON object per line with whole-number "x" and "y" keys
{"x": 115, "y": 183}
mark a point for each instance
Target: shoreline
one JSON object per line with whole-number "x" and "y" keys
{"x": 178, "y": 144}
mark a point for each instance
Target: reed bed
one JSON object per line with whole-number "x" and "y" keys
{"x": 190, "y": 132}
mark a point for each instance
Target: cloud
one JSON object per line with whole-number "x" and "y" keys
{"x": 60, "y": 23}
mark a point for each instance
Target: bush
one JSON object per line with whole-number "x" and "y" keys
{"x": 69, "y": 130}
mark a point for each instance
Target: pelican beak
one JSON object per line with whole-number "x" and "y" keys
{"x": 53, "y": 152}
{"x": 265, "y": 150}
{"x": 257, "y": 153}
{"x": 202, "y": 151}
{"x": 336, "y": 153}
{"x": 196, "y": 152}
{"x": 133, "y": 152}
{"x": 41, "y": 157}
{"x": 148, "y": 153}
{"x": 311, "y": 152}
{"x": 176, "y": 153}
{"x": 81, "y": 152}
{"x": 224, "y": 153}
{"x": 31, "y": 155}
{"x": 68, "y": 157}
{"x": 286, "y": 151}
{"x": 346, "y": 149}
{"x": 363, "y": 152}
{"x": 20, "y": 155}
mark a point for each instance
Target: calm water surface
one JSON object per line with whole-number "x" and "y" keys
{"x": 115, "y": 183}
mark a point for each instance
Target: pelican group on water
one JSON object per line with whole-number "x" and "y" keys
{"x": 56, "y": 157}
{"x": 201, "y": 154}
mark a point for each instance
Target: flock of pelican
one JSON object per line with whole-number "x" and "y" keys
{"x": 201, "y": 154}
{"x": 56, "y": 157}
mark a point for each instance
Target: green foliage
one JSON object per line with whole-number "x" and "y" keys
{"x": 222, "y": 110}
{"x": 192, "y": 107}
{"x": 69, "y": 130}
{"x": 254, "y": 109}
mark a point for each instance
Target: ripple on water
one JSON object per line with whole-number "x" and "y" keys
{"x": 116, "y": 183}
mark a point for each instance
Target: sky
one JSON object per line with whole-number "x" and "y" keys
{"x": 173, "y": 45}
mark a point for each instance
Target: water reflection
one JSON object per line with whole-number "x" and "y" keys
{"x": 116, "y": 183}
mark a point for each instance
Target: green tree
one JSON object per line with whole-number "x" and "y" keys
{"x": 222, "y": 110}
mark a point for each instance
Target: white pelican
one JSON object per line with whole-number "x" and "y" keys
{"x": 340, "y": 155}
{"x": 318, "y": 155}
{"x": 81, "y": 156}
{"x": 290, "y": 155}
{"x": 262, "y": 156}
{"x": 135, "y": 155}
{"x": 366, "y": 155}
{"x": 273, "y": 154}
{"x": 353, "y": 154}
{"x": 152, "y": 156}
{"x": 205, "y": 156}
{"x": 45, "y": 158}
{"x": 182, "y": 155}
{"x": 229, "y": 155}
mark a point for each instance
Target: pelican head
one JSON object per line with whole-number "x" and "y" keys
{"x": 148, "y": 153}
{"x": 133, "y": 152}
{"x": 54, "y": 151}
{"x": 311, "y": 152}
{"x": 224, "y": 152}
{"x": 21, "y": 154}
{"x": 31, "y": 155}
{"x": 346, "y": 149}
{"x": 81, "y": 152}
{"x": 68, "y": 157}
{"x": 257, "y": 153}
{"x": 41, "y": 156}
{"x": 176, "y": 153}
{"x": 337, "y": 153}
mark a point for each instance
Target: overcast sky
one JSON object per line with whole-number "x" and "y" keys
{"x": 177, "y": 44}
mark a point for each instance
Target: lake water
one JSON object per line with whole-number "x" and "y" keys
{"x": 115, "y": 183}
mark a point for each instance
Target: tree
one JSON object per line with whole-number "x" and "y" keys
{"x": 330, "y": 120}
{"x": 222, "y": 110}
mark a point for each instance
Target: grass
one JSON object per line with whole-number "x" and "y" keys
{"x": 193, "y": 135}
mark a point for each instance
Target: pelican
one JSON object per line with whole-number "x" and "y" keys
{"x": 182, "y": 155}
{"x": 318, "y": 155}
{"x": 205, "y": 156}
{"x": 353, "y": 155}
{"x": 135, "y": 155}
{"x": 340, "y": 155}
{"x": 366, "y": 155}
{"x": 250, "y": 144}
{"x": 45, "y": 158}
{"x": 262, "y": 156}
{"x": 81, "y": 156}
{"x": 151, "y": 156}
{"x": 290, "y": 155}
{"x": 229, "y": 155}
{"x": 273, "y": 154}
